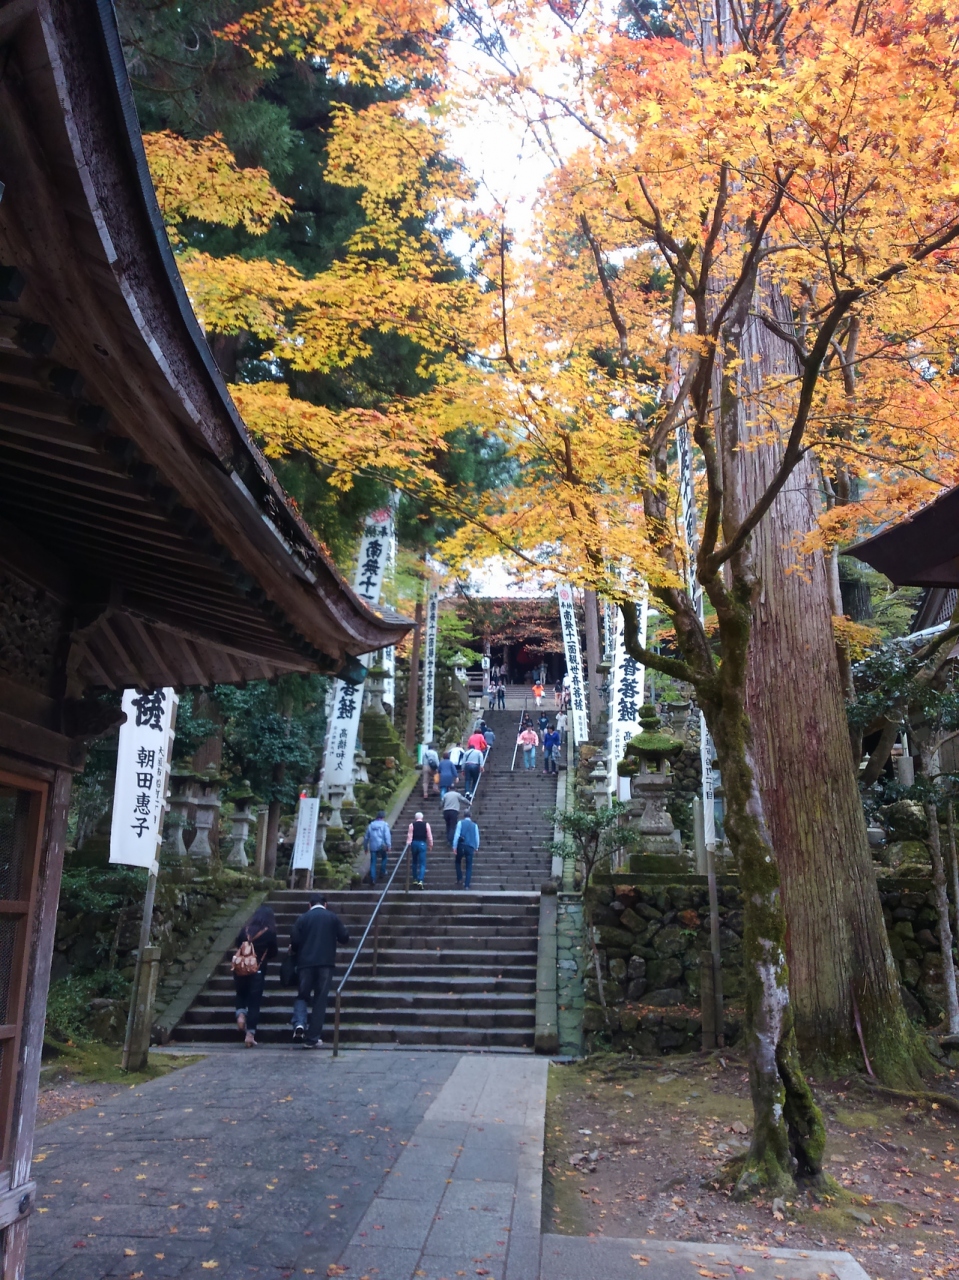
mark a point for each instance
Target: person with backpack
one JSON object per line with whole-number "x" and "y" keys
{"x": 448, "y": 775}
{"x": 256, "y": 944}
{"x": 431, "y": 764}
{"x": 419, "y": 838}
{"x": 551, "y": 743}
{"x": 378, "y": 843}
{"x": 558, "y": 694}
{"x": 313, "y": 946}
{"x": 466, "y": 841}
{"x": 472, "y": 768}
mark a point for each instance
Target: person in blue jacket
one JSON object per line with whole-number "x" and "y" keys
{"x": 466, "y": 842}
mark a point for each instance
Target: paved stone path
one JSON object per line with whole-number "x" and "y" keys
{"x": 388, "y": 1165}
{"x": 262, "y": 1162}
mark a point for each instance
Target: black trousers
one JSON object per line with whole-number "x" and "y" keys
{"x": 314, "y": 984}
{"x": 249, "y": 993}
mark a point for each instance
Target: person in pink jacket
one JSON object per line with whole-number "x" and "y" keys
{"x": 529, "y": 741}
{"x": 420, "y": 838}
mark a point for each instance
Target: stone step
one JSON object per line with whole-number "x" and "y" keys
{"x": 490, "y": 1014}
{"x": 220, "y": 989}
{"x": 359, "y": 1033}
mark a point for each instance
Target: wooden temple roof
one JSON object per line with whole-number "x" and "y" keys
{"x": 922, "y": 551}
{"x": 129, "y": 486}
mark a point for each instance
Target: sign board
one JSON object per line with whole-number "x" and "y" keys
{"x": 429, "y": 665}
{"x": 347, "y": 703}
{"x": 628, "y": 680}
{"x": 305, "y": 843}
{"x": 578, "y": 712}
{"x": 143, "y": 775}
{"x": 687, "y": 496}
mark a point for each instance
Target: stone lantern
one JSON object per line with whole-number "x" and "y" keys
{"x": 600, "y": 780}
{"x": 243, "y": 799}
{"x": 646, "y": 763}
{"x": 460, "y": 663}
{"x": 376, "y": 687}
{"x": 182, "y": 781}
{"x": 207, "y": 802}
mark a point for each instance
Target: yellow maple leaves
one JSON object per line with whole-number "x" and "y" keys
{"x": 200, "y": 179}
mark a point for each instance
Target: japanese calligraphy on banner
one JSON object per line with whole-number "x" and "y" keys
{"x": 687, "y": 496}
{"x": 341, "y": 739}
{"x": 347, "y": 703}
{"x": 306, "y": 819}
{"x": 374, "y": 553}
{"x": 429, "y": 665}
{"x": 579, "y": 715}
{"x": 143, "y": 774}
{"x": 627, "y": 691}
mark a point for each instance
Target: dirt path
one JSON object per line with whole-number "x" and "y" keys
{"x": 629, "y": 1143}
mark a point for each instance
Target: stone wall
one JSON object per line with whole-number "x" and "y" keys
{"x": 650, "y": 938}
{"x": 912, "y": 922}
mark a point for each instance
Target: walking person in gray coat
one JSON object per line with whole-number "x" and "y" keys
{"x": 313, "y": 943}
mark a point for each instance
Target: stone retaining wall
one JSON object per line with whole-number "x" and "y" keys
{"x": 650, "y": 938}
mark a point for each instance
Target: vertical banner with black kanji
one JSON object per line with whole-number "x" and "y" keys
{"x": 687, "y": 497}
{"x": 429, "y": 665}
{"x": 347, "y": 701}
{"x": 627, "y": 680}
{"x": 578, "y": 711}
{"x": 143, "y": 776}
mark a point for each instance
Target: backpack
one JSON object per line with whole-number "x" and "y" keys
{"x": 244, "y": 963}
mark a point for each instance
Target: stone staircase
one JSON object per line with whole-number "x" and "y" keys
{"x": 453, "y": 968}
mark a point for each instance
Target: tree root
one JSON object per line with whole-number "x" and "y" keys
{"x": 923, "y": 1096}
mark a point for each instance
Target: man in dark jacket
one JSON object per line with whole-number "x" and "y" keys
{"x": 313, "y": 943}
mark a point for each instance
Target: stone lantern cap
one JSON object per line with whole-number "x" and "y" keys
{"x": 650, "y": 745}
{"x": 241, "y": 791}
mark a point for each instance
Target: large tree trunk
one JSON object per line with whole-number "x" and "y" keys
{"x": 836, "y": 942}
{"x": 593, "y": 655}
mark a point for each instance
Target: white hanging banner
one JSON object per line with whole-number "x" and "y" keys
{"x": 388, "y": 661}
{"x": 610, "y": 613}
{"x": 143, "y": 776}
{"x": 341, "y": 741}
{"x": 687, "y": 496}
{"x": 579, "y": 714}
{"x": 429, "y": 665}
{"x": 627, "y": 688}
{"x": 347, "y": 702}
{"x": 374, "y": 554}
{"x": 306, "y": 819}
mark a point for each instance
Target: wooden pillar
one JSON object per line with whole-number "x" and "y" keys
{"x": 39, "y": 956}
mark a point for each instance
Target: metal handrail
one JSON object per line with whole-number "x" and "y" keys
{"x": 359, "y": 946}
